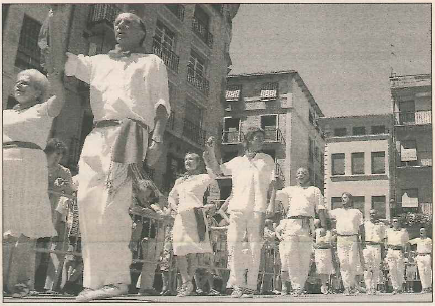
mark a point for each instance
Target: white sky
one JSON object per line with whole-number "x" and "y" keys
{"x": 343, "y": 52}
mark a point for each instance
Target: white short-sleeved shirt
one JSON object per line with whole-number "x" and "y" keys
{"x": 188, "y": 194}
{"x": 374, "y": 232}
{"x": 348, "y": 221}
{"x": 251, "y": 180}
{"x": 125, "y": 87}
{"x": 31, "y": 125}
{"x": 398, "y": 238}
{"x": 300, "y": 201}
{"x": 423, "y": 245}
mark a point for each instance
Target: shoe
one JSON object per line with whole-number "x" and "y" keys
{"x": 298, "y": 292}
{"x": 395, "y": 292}
{"x": 324, "y": 289}
{"x": 148, "y": 292}
{"x": 107, "y": 291}
{"x": 237, "y": 292}
{"x": 186, "y": 289}
{"x": 165, "y": 292}
{"x": 20, "y": 290}
{"x": 424, "y": 291}
{"x": 346, "y": 292}
{"x": 248, "y": 293}
{"x": 213, "y": 292}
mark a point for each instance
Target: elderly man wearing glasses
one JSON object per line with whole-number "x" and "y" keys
{"x": 397, "y": 238}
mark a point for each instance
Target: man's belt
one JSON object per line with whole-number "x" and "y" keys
{"x": 128, "y": 147}
{"x": 346, "y": 235}
{"x": 324, "y": 247}
{"x": 373, "y": 243}
{"x": 299, "y": 217}
{"x": 21, "y": 144}
{"x": 424, "y": 254}
{"x": 395, "y": 247}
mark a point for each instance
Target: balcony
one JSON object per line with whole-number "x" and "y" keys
{"x": 177, "y": 10}
{"x": 279, "y": 173}
{"x": 413, "y": 118}
{"x": 102, "y": 15}
{"x": 194, "y": 132}
{"x": 198, "y": 81}
{"x": 170, "y": 59}
{"x": 423, "y": 159}
{"x": 273, "y": 135}
{"x": 231, "y": 137}
{"x": 422, "y": 208}
{"x": 202, "y": 31}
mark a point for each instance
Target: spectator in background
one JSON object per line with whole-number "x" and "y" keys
{"x": 323, "y": 255}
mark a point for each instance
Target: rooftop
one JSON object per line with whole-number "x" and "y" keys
{"x": 404, "y": 81}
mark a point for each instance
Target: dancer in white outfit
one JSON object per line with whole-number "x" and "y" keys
{"x": 374, "y": 241}
{"x": 424, "y": 259}
{"x": 323, "y": 256}
{"x": 252, "y": 177}
{"x": 349, "y": 229}
{"x": 397, "y": 238}
{"x": 303, "y": 202}
{"x": 129, "y": 100}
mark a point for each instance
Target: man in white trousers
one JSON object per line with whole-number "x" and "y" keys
{"x": 375, "y": 234}
{"x": 397, "y": 238}
{"x": 424, "y": 259}
{"x": 129, "y": 100}
{"x": 349, "y": 227}
{"x": 301, "y": 202}
{"x": 252, "y": 176}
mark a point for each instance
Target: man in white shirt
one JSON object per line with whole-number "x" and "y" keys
{"x": 424, "y": 259}
{"x": 301, "y": 202}
{"x": 129, "y": 100}
{"x": 397, "y": 238}
{"x": 375, "y": 233}
{"x": 349, "y": 223}
{"x": 252, "y": 176}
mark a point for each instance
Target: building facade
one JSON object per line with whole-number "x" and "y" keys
{"x": 281, "y": 104}
{"x": 358, "y": 154}
{"x": 412, "y": 134}
{"x": 192, "y": 39}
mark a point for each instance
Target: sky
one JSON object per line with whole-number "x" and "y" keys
{"x": 344, "y": 52}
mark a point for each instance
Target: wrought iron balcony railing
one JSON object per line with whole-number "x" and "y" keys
{"x": 202, "y": 31}
{"x": 198, "y": 81}
{"x": 170, "y": 59}
{"x": 413, "y": 118}
{"x": 177, "y": 10}
{"x": 231, "y": 137}
{"x": 273, "y": 135}
{"x": 279, "y": 173}
{"x": 193, "y": 132}
{"x": 103, "y": 13}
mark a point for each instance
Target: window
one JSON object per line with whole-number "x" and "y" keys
{"x": 340, "y": 132}
{"x": 269, "y": 125}
{"x": 410, "y": 197}
{"x": 174, "y": 167}
{"x": 358, "y": 163}
{"x": 196, "y": 66}
{"x": 337, "y": 164}
{"x": 378, "y": 162}
{"x": 378, "y": 129}
{"x": 231, "y": 132}
{"x": 233, "y": 93}
{"x": 164, "y": 36}
{"x": 194, "y": 113}
{"x": 379, "y": 204}
{"x": 408, "y": 152}
{"x": 407, "y": 112}
{"x": 359, "y": 203}
{"x": 177, "y": 10}
{"x": 358, "y": 130}
{"x": 201, "y": 25}
{"x": 336, "y": 202}
{"x": 28, "y": 53}
{"x": 269, "y": 91}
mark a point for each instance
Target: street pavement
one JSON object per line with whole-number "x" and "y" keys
{"x": 309, "y": 298}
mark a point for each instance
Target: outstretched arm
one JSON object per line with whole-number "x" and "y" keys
{"x": 210, "y": 157}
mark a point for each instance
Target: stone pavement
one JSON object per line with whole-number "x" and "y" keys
{"x": 310, "y": 298}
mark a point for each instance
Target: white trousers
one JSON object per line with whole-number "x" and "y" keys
{"x": 104, "y": 197}
{"x": 348, "y": 255}
{"x": 424, "y": 263}
{"x": 297, "y": 257}
{"x": 372, "y": 258}
{"x": 251, "y": 223}
{"x": 396, "y": 268}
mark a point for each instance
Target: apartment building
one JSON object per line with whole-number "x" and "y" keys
{"x": 192, "y": 39}
{"x": 281, "y": 104}
{"x": 358, "y": 154}
{"x": 412, "y": 136}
